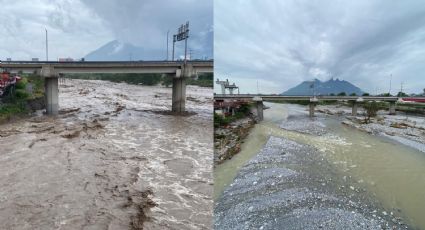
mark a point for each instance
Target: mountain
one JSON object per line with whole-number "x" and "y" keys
{"x": 119, "y": 51}
{"x": 323, "y": 88}
{"x": 201, "y": 45}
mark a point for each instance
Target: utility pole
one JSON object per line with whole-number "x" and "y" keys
{"x": 185, "y": 41}
{"x": 167, "y": 44}
{"x": 391, "y": 77}
{"x": 174, "y": 44}
{"x": 190, "y": 54}
{"x": 401, "y": 87}
{"x": 47, "y": 48}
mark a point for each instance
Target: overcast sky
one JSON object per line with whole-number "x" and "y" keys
{"x": 77, "y": 27}
{"x": 281, "y": 43}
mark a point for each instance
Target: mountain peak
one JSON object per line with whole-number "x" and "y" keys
{"x": 323, "y": 88}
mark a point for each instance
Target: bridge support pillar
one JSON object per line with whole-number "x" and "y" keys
{"x": 179, "y": 94}
{"x": 311, "y": 109}
{"x": 51, "y": 95}
{"x": 354, "y": 109}
{"x": 392, "y": 108}
{"x": 260, "y": 107}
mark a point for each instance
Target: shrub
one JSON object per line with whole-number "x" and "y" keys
{"x": 21, "y": 94}
{"x": 22, "y": 83}
{"x": 371, "y": 110}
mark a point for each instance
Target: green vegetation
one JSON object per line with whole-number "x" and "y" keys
{"x": 305, "y": 102}
{"x": 371, "y": 108}
{"x": 14, "y": 101}
{"x": 401, "y": 94}
{"x": 130, "y": 78}
{"x": 365, "y": 94}
{"x": 10, "y": 109}
{"x": 203, "y": 80}
{"x": 220, "y": 120}
{"x": 353, "y": 94}
{"x": 342, "y": 94}
{"x": 386, "y": 95}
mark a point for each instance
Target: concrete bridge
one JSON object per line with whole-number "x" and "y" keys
{"x": 51, "y": 71}
{"x": 259, "y": 98}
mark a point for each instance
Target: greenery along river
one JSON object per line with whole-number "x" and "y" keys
{"x": 388, "y": 170}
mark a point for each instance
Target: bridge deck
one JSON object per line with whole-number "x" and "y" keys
{"x": 107, "y": 66}
{"x": 300, "y": 98}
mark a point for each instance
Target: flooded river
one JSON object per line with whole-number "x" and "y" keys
{"x": 112, "y": 159}
{"x": 391, "y": 173}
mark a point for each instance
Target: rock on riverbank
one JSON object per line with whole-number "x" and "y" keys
{"x": 228, "y": 139}
{"x": 406, "y": 129}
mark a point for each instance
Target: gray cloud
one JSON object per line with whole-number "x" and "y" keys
{"x": 77, "y": 27}
{"x": 281, "y": 43}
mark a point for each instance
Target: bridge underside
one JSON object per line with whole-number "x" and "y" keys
{"x": 258, "y": 100}
{"x": 178, "y": 70}
{"x": 51, "y": 87}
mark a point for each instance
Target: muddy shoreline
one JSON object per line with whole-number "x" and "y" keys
{"x": 228, "y": 139}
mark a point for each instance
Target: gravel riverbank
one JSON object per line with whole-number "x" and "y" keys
{"x": 293, "y": 185}
{"x": 406, "y": 129}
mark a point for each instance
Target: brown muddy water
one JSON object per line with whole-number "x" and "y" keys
{"x": 391, "y": 172}
{"x": 110, "y": 160}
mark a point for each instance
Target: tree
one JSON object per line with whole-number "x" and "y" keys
{"x": 332, "y": 94}
{"x": 401, "y": 94}
{"x": 353, "y": 94}
{"x": 167, "y": 80}
{"x": 371, "y": 108}
{"x": 342, "y": 94}
{"x": 365, "y": 94}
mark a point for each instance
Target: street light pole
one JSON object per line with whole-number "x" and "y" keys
{"x": 174, "y": 43}
{"x": 47, "y": 48}
{"x": 167, "y": 44}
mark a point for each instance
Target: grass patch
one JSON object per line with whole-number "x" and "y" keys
{"x": 7, "y": 111}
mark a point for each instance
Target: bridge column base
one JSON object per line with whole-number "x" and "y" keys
{"x": 260, "y": 108}
{"x": 179, "y": 95}
{"x": 311, "y": 109}
{"x": 354, "y": 109}
{"x": 51, "y": 95}
{"x": 392, "y": 108}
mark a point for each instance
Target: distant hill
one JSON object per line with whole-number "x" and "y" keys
{"x": 323, "y": 88}
{"x": 118, "y": 51}
{"x": 201, "y": 46}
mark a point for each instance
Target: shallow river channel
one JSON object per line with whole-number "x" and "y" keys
{"x": 392, "y": 173}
